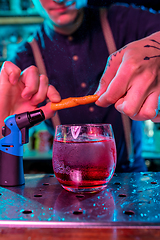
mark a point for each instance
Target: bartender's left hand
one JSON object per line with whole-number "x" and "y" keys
{"x": 23, "y": 91}
{"x": 131, "y": 79}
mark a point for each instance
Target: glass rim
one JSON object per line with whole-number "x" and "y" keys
{"x": 85, "y": 124}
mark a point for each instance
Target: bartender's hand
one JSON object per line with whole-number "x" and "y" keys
{"x": 131, "y": 79}
{"x": 23, "y": 91}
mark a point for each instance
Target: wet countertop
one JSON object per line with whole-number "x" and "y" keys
{"x": 130, "y": 201}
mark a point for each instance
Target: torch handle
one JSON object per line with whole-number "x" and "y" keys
{"x": 11, "y": 170}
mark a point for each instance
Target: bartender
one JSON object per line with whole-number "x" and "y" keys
{"x": 75, "y": 54}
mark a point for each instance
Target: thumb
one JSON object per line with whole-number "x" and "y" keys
{"x": 48, "y": 112}
{"x": 111, "y": 69}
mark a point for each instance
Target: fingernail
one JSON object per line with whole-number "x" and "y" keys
{"x": 56, "y": 97}
{"x": 120, "y": 108}
{"x": 102, "y": 102}
{"x": 156, "y": 113}
{"x": 27, "y": 96}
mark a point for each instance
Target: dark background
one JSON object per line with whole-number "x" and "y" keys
{"x": 155, "y": 4}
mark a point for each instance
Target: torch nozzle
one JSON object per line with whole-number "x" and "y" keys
{"x": 36, "y": 117}
{"x": 29, "y": 119}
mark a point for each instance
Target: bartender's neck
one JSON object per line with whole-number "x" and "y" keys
{"x": 70, "y": 28}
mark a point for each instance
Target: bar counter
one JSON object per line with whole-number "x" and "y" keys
{"x": 128, "y": 208}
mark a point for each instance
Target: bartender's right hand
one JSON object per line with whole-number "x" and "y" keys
{"x": 23, "y": 91}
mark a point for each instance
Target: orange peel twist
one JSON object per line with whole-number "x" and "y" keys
{"x": 73, "y": 102}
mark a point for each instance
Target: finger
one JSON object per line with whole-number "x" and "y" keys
{"x": 48, "y": 112}
{"x": 116, "y": 89}
{"x": 30, "y": 78}
{"x": 157, "y": 118}
{"x": 115, "y": 81}
{"x": 45, "y": 90}
{"x": 112, "y": 65}
{"x": 147, "y": 111}
{"x": 41, "y": 93}
{"x": 9, "y": 72}
{"x": 53, "y": 94}
{"x": 135, "y": 97}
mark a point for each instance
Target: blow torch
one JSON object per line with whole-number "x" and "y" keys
{"x": 16, "y": 133}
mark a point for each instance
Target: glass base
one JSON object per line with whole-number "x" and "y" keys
{"x": 84, "y": 189}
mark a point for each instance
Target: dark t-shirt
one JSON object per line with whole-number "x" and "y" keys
{"x": 75, "y": 64}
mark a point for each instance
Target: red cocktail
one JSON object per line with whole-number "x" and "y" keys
{"x": 84, "y": 157}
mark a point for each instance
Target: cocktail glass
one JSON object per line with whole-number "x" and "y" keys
{"x": 84, "y": 156}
